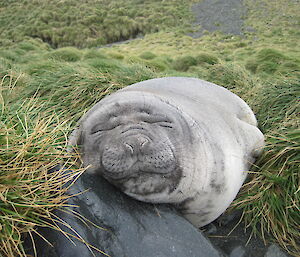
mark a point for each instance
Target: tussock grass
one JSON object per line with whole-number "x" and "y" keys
{"x": 184, "y": 63}
{"x": 147, "y": 55}
{"x": 41, "y": 87}
{"x": 281, "y": 105}
{"x": 202, "y": 58}
{"x": 234, "y": 77}
{"x": 32, "y": 142}
{"x": 88, "y": 23}
{"x": 34, "y": 130}
{"x": 272, "y": 61}
{"x": 68, "y": 54}
{"x": 271, "y": 198}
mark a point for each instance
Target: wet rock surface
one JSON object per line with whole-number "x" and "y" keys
{"x": 129, "y": 228}
{"x": 119, "y": 226}
{"x": 219, "y": 15}
{"x": 229, "y": 235}
{"x": 275, "y": 251}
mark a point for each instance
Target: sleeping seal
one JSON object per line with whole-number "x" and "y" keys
{"x": 173, "y": 140}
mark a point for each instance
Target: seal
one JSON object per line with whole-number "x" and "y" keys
{"x": 176, "y": 140}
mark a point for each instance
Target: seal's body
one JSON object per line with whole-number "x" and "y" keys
{"x": 174, "y": 140}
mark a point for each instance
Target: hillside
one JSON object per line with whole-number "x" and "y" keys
{"x": 54, "y": 66}
{"x": 88, "y": 23}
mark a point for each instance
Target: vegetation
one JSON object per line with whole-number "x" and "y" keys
{"x": 88, "y": 23}
{"x": 271, "y": 199}
{"x": 32, "y": 142}
{"x": 47, "y": 83}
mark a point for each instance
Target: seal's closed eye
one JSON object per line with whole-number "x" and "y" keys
{"x": 104, "y": 127}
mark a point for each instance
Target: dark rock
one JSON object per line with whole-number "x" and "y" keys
{"x": 229, "y": 218}
{"x": 239, "y": 251}
{"x": 130, "y": 228}
{"x": 210, "y": 229}
{"x": 234, "y": 240}
{"x": 274, "y": 251}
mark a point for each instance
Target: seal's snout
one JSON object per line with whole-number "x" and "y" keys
{"x": 120, "y": 158}
{"x": 136, "y": 144}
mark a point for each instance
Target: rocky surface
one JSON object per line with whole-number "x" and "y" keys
{"x": 123, "y": 227}
{"x": 130, "y": 228}
{"x": 234, "y": 241}
{"x": 219, "y": 15}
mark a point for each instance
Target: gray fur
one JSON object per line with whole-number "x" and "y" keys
{"x": 172, "y": 140}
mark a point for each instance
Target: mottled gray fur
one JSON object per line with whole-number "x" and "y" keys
{"x": 172, "y": 140}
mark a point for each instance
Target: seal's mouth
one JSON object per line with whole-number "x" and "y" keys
{"x": 130, "y": 174}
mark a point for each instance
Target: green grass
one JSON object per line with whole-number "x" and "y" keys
{"x": 32, "y": 141}
{"x": 47, "y": 83}
{"x": 147, "y": 55}
{"x": 68, "y": 54}
{"x": 88, "y": 23}
{"x": 271, "y": 198}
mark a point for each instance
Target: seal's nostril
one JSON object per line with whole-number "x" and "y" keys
{"x": 143, "y": 142}
{"x": 128, "y": 146}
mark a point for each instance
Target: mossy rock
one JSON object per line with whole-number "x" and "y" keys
{"x": 184, "y": 63}
{"x": 68, "y": 54}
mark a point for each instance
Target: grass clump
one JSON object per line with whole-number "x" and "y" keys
{"x": 68, "y": 54}
{"x": 147, "y": 55}
{"x": 32, "y": 141}
{"x": 266, "y": 60}
{"x": 184, "y": 63}
{"x": 27, "y": 46}
{"x": 93, "y": 53}
{"x": 271, "y": 61}
{"x": 233, "y": 77}
{"x": 104, "y": 64}
{"x": 281, "y": 103}
{"x": 271, "y": 199}
{"x": 116, "y": 55}
{"x": 158, "y": 65}
{"x": 9, "y": 55}
{"x": 206, "y": 58}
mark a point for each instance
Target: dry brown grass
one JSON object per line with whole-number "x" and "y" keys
{"x": 32, "y": 142}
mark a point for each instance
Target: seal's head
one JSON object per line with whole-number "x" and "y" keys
{"x": 136, "y": 141}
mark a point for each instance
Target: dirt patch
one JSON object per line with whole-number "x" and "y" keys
{"x": 226, "y": 16}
